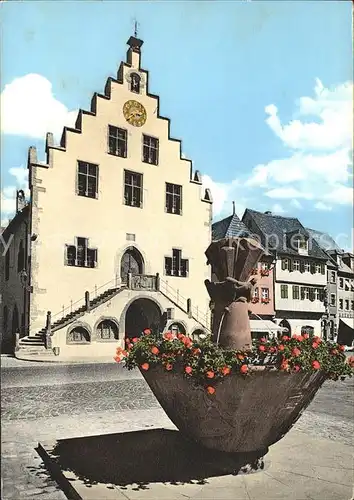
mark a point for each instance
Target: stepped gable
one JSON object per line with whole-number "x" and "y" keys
{"x": 194, "y": 177}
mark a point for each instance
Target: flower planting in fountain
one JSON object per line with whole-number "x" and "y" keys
{"x": 206, "y": 363}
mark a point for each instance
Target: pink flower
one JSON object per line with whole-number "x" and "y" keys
{"x": 188, "y": 369}
{"x": 316, "y": 365}
{"x": 296, "y": 352}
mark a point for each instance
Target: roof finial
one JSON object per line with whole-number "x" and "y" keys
{"x": 233, "y": 208}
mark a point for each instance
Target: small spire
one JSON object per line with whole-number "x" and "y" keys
{"x": 136, "y": 24}
{"x": 233, "y": 208}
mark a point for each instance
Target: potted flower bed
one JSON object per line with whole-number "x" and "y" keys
{"x": 234, "y": 400}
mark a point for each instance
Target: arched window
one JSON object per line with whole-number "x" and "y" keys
{"x": 79, "y": 334}
{"x": 5, "y": 317}
{"x": 107, "y": 330}
{"x": 20, "y": 257}
{"x": 307, "y": 329}
{"x": 177, "y": 328}
{"x": 197, "y": 333}
{"x": 135, "y": 83}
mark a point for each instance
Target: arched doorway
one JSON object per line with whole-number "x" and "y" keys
{"x": 142, "y": 313}
{"x": 285, "y": 324}
{"x": 132, "y": 261}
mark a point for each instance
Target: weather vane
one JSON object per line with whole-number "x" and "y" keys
{"x": 136, "y": 24}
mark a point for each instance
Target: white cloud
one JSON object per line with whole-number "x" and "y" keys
{"x": 296, "y": 204}
{"x": 286, "y": 193}
{"x": 322, "y": 206}
{"x": 333, "y": 126}
{"x": 29, "y": 108}
{"x": 278, "y": 209}
{"x": 319, "y": 162}
{"x": 8, "y": 193}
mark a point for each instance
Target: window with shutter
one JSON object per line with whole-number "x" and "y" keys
{"x": 80, "y": 255}
{"x": 302, "y": 293}
{"x": 290, "y": 265}
{"x": 313, "y": 268}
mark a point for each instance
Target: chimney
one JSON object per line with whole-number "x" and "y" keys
{"x": 20, "y": 200}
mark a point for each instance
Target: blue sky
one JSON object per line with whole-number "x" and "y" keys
{"x": 259, "y": 92}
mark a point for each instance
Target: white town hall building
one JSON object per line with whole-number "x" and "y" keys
{"x": 113, "y": 238}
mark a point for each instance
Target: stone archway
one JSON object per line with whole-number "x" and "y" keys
{"x": 142, "y": 313}
{"x": 285, "y": 324}
{"x": 132, "y": 261}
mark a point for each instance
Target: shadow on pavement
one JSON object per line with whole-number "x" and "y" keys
{"x": 143, "y": 457}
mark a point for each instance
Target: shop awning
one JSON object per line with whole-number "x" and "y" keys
{"x": 259, "y": 325}
{"x": 346, "y": 331}
{"x": 348, "y": 322}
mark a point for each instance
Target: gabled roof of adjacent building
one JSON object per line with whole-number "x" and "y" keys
{"x": 279, "y": 229}
{"x": 325, "y": 241}
{"x": 230, "y": 227}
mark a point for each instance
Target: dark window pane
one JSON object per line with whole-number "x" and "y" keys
{"x": 92, "y": 170}
{"x": 82, "y": 168}
{"x": 91, "y": 187}
{"x": 91, "y": 257}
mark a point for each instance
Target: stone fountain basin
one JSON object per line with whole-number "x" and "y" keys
{"x": 246, "y": 414}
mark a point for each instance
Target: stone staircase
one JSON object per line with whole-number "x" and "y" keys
{"x": 34, "y": 343}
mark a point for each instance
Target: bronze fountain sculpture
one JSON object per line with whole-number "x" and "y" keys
{"x": 247, "y": 414}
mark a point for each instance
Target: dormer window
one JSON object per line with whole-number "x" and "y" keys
{"x": 301, "y": 244}
{"x": 135, "y": 83}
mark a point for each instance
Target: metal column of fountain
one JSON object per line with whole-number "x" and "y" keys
{"x": 247, "y": 414}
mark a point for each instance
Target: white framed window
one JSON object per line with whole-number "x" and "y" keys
{"x": 318, "y": 268}
{"x": 341, "y": 283}
{"x": 307, "y": 267}
{"x": 296, "y": 265}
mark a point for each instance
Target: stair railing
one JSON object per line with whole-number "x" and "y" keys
{"x": 64, "y": 311}
{"x": 182, "y": 302}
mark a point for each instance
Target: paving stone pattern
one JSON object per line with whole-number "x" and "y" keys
{"x": 74, "y": 399}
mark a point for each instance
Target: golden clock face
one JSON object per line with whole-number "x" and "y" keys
{"x": 134, "y": 113}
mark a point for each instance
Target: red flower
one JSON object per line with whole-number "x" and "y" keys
{"x": 154, "y": 350}
{"x": 127, "y": 340}
{"x": 225, "y": 370}
{"x": 210, "y": 374}
{"x": 262, "y": 348}
{"x": 281, "y": 347}
{"x": 315, "y": 345}
{"x": 306, "y": 336}
{"x": 147, "y": 331}
{"x": 285, "y": 338}
{"x": 188, "y": 369}
{"x": 168, "y": 366}
{"x": 130, "y": 346}
{"x": 317, "y": 339}
{"x": 168, "y": 336}
{"x": 350, "y": 361}
{"x": 196, "y": 352}
{"x": 284, "y": 365}
{"x": 117, "y": 359}
{"x": 296, "y": 352}
{"x": 300, "y": 338}
{"x": 296, "y": 368}
{"x": 244, "y": 369}
{"x": 334, "y": 352}
{"x": 316, "y": 365}
{"x": 240, "y": 356}
{"x": 180, "y": 336}
{"x": 145, "y": 366}
{"x": 272, "y": 349}
{"x": 135, "y": 340}
{"x": 263, "y": 339}
{"x": 341, "y": 347}
{"x": 210, "y": 389}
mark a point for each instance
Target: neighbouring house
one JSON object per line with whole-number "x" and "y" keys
{"x": 262, "y": 305}
{"x": 345, "y": 295}
{"x": 330, "y": 322}
{"x": 300, "y": 273}
{"x": 113, "y": 237}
